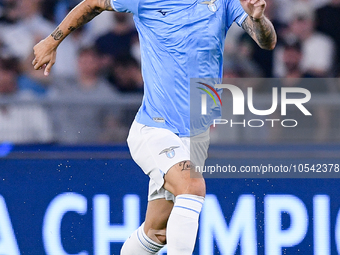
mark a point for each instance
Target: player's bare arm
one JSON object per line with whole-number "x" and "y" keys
{"x": 257, "y": 25}
{"x": 45, "y": 51}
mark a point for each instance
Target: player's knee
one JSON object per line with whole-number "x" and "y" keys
{"x": 158, "y": 236}
{"x": 192, "y": 186}
{"x": 194, "y": 182}
{"x": 195, "y": 186}
{"x": 183, "y": 179}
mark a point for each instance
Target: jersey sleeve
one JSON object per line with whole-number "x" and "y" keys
{"x": 125, "y": 6}
{"x": 235, "y": 13}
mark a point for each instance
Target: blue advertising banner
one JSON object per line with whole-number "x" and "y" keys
{"x": 60, "y": 201}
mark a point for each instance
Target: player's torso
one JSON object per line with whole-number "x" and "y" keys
{"x": 180, "y": 40}
{"x": 185, "y": 24}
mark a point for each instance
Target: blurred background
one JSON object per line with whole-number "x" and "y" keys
{"x": 96, "y": 86}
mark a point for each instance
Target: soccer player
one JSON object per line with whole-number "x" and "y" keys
{"x": 180, "y": 39}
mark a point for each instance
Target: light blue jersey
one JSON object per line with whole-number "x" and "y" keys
{"x": 180, "y": 40}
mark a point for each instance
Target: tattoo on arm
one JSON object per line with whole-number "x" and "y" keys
{"x": 92, "y": 12}
{"x": 71, "y": 28}
{"x": 248, "y": 27}
{"x": 89, "y": 14}
{"x": 57, "y": 34}
{"x": 261, "y": 30}
{"x": 185, "y": 165}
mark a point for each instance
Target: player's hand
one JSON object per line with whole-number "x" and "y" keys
{"x": 254, "y": 8}
{"x": 45, "y": 53}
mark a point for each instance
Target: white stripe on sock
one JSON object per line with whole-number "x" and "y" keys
{"x": 146, "y": 242}
{"x": 188, "y": 205}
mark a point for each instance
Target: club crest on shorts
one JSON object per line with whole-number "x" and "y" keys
{"x": 169, "y": 152}
{"x": 211, "y": 5}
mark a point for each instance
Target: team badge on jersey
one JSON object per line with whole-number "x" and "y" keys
{"x": 211, "y": 5}
{"x": 169, "y": 152}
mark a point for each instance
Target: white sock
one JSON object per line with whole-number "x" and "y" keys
{"x": 183, "y": 224}
{"x": 140, "y": 244}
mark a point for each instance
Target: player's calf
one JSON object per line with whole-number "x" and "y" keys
{"x": 140, "y": 244}
{"x": 189, "y": 189}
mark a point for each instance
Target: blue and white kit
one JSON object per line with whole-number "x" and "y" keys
{"x": 180, "y": 40}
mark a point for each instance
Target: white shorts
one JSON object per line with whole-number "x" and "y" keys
{"x": 156, "y": 150}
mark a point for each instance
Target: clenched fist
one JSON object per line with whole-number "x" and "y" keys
{"x": 254, "y": 8}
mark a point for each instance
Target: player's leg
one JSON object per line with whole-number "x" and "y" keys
{"x": 157, "y": 215}
{"x": 165, "y": 157}
{"x": 183, "y": 179}
{"x": 183, "y": 221}
{"x": 166, "y": 222}
{"x": 150, "y": 237}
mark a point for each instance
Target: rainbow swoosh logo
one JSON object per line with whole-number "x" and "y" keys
{"x": 209, "y": 93}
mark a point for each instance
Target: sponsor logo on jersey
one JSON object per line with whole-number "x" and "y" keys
{"x": 162, "y": 12}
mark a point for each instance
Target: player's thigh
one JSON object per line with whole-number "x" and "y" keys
{"x": 183, "y": 179}
{"x": 157, "y": 215}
